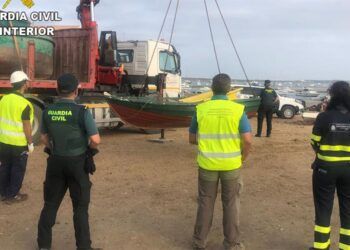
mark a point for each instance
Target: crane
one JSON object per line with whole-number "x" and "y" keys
{"x": 85, "y": 12}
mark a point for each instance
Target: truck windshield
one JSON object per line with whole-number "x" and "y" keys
{"x": 167, "y": 62}
{"x": 125, "y": 55}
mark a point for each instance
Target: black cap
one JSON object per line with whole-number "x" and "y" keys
{"x": 267, "y": 81}
{"x": 67, "y": 83}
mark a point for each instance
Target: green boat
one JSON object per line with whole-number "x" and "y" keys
{"x": 153, "y": 113}
{"x": 12, "y": 60}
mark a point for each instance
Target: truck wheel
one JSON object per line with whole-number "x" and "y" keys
{"x": 36, "y": 123}
{"x": 288, "y": 112}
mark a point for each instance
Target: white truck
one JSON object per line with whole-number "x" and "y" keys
{"x": 288, "y": 107}
{"x": 138, "y": 57}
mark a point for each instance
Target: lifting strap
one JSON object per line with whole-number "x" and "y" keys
{"x": 212, "y": 36}
{"x": 233, "y": 44}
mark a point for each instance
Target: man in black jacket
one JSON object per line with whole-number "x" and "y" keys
{"x": 269, "y": 99}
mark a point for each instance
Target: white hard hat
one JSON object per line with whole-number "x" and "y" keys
{"x": 18, "y": 76}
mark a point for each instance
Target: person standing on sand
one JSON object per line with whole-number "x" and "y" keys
{"x": 330, "y": 140}
{"x": 222, "y": 132}
{"x": 69, "y": 133}
{"x": 269, "y": 99}
{"x": 16, "y": 118}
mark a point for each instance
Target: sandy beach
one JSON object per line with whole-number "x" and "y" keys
{"x": 144, "y": 195}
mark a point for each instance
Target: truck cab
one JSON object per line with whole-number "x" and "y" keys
{"x": 141, "y": 58}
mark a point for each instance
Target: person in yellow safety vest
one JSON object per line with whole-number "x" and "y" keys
{"x": 330, "y": 140}
{"x": 16, "y": 117}
{"x": 222, "y": 132}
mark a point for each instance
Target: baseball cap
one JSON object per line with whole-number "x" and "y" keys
{"x": 67, "y": 83}
{"x": 18, "y": 76}
{"x": 267, "y": 81}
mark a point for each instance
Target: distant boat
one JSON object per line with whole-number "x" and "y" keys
{"x": 186, "y": 84}
{"x": 199, "y": 89}
{"x": 153, "y": 113}
{"x": 307, "y": 93}
{"x": 286, "y": 91}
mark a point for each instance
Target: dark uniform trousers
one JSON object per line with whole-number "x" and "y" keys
{"x": 268, "y": 114}
{"x": 327, "y": 179}
{"x": 13, "y": 162}
{"x": 66, "y": 173}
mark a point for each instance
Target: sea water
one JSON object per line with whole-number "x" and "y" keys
{"x": 298, "y": 89}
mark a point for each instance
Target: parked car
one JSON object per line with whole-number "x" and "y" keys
{"x": 287, "y": 107}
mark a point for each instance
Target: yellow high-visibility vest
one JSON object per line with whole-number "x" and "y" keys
{"x": 219, "y": 141}
{"x": 11, "y": 125}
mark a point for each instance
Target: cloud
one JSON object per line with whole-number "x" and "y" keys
{"x": 289, "y": 39}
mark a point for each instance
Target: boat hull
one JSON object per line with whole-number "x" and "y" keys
{"x": 151, "y": 114}
{"x": 150, "y": 120}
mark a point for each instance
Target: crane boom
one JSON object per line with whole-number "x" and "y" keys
{"x": 85, "y": 12}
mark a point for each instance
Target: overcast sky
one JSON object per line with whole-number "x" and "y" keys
{"x": 276, "y": 39}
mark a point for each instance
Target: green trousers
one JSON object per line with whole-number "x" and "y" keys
{"x": 231, "y": 187}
